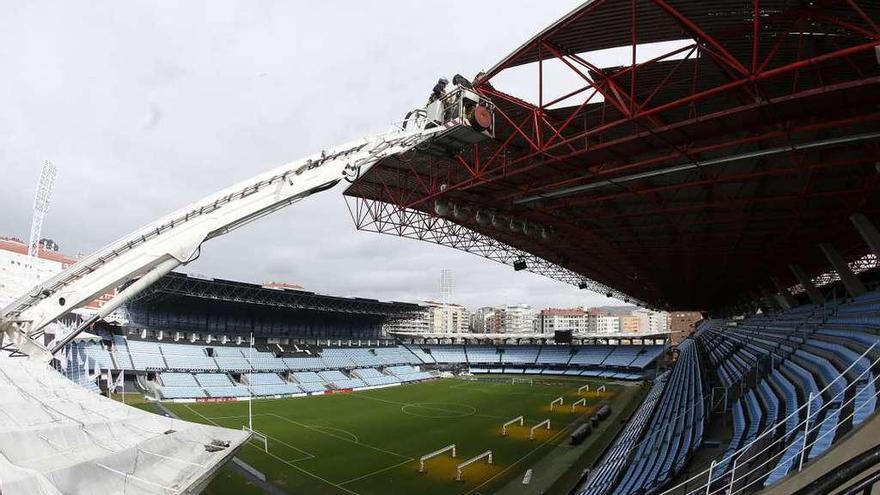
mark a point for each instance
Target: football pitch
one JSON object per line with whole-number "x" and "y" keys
{"x": 369, "y": 442}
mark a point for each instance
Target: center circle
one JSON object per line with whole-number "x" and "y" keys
{"x": 438, "y": 410}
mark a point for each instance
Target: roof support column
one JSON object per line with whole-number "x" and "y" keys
{"x": 789, "y": 299}
{"x": 812, "y": 291}
{"x": 868, "y": 231}
{"x": 853, "y": 285}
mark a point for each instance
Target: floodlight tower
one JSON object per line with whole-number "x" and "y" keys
{"x": 42, "y": 200}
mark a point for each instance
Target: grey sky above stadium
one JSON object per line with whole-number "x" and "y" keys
{"x": 145, "y": 106}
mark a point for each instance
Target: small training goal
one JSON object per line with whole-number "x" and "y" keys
{"x": 487, "y": 455}
{"x": 512, "y": 421}
{"x": 435, "y": 454}
{"x": 545, "y": 423}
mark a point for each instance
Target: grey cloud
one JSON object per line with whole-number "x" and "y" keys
{"x": 145, "y": 106}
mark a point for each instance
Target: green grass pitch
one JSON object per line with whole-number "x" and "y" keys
{"x": 369, "y": 442}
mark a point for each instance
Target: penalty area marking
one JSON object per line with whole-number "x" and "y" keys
{"x": 436, "y": 410}
{"x": 322, "y": 429}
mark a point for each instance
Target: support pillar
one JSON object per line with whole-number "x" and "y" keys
{"x": 786, "y": 296}
{"x": 812, "y": 291}
{"x": 853, "y": 285}
{"x": 868, "y": 231}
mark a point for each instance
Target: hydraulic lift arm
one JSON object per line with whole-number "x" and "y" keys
{"x": 174, "y": 240}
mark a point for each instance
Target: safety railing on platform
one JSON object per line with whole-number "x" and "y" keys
{"x": 756, "y": 460}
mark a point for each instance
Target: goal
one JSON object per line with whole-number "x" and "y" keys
{"x": 527, "y": 381}
{"x": 435, "y": 454}
{"x": 460, "y": 467}
{"x": 260, "y": 438}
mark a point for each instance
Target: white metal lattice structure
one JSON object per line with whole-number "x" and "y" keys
{"x": 42, "y": 201}
{"x": 151, "y": 252}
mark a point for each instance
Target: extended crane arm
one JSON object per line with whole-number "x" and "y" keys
{"x": 174, "y": 240}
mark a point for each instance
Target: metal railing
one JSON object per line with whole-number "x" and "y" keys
{"x": 750, "y": 467}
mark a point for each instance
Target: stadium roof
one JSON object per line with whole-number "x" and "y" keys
{"x": 179, "y": 286}
{"x": 705, "y": 147}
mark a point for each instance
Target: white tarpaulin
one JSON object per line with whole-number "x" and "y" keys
{"x": 58, "y": 438}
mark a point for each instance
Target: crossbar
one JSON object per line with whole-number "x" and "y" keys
{"x": 546, "y": 423}
{"x": 258, "y": 436}
{"x": 557, "y": 400}
{"x": 470, "y": 461}
{"x": 435, "y": 454}
{"x": 514, "y": 420}
{"x": 585, "y": 388}
{"x": 582, "y": 402}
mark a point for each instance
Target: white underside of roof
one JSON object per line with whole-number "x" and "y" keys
{"x": 58, "y": 438}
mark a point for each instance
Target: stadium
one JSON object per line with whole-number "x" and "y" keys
{"x": 714, "y": 157}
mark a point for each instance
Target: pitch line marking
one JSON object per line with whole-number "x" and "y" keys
{"x": 551, "y": 439}
{"x": 282, "y": 418}
{"x": 350, "y": 434}
{"x": 307, "y": 453}
{"x": 308, "y": 473}
{"x": 376, "y": 472}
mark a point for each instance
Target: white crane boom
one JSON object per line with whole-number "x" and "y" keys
{"x": 42, "y": 201}
{"x": 153, "y": 251}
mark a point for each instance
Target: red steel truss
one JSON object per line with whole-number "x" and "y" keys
{"x": 685, "y": 177}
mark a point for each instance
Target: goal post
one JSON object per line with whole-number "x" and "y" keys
{"x": 546, "y": 423}
{"x": 585, "y": 388}
{"x": 260, "y": 438}
{"x": 514, "y": 420}
{"x": 581, "y": 402}
{"x": 601, "y": 389}
{"x": 435, "y": 454}
{"x": 470, "y": 461}
{"x": 557, "y": 400}
{"x": 515, "y": 381}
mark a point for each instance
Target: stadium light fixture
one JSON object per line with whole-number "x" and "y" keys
{"x": 694, "y": 165}
{"x": 582, "y": 285}
{"x": 520, "y": 265}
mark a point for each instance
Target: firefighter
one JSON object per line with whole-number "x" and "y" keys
{"x": 439, "y": 90}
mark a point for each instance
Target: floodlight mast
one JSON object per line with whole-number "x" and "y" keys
{"x": 151, "y": 252}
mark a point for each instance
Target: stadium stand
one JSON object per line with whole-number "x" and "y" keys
{"x": 675, "y": 430}
{"x": 518, "y": 355}
{"x": 606, "y": 472}
{"x": 480, "y": 354}
{"x": 448, "y": 354}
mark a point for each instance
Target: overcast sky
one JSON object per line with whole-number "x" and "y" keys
{"x": 146, "y": 106}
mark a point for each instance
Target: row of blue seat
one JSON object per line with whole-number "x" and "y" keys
{"x": 810, "y": 352}
{"x": 675, "y": 430}
{"x": 605, "y": 474}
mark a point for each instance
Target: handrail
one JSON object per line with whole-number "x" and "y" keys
{"x": 707, "y": 473}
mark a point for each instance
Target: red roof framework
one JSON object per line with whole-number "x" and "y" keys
{"x": 686, "y": 180}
